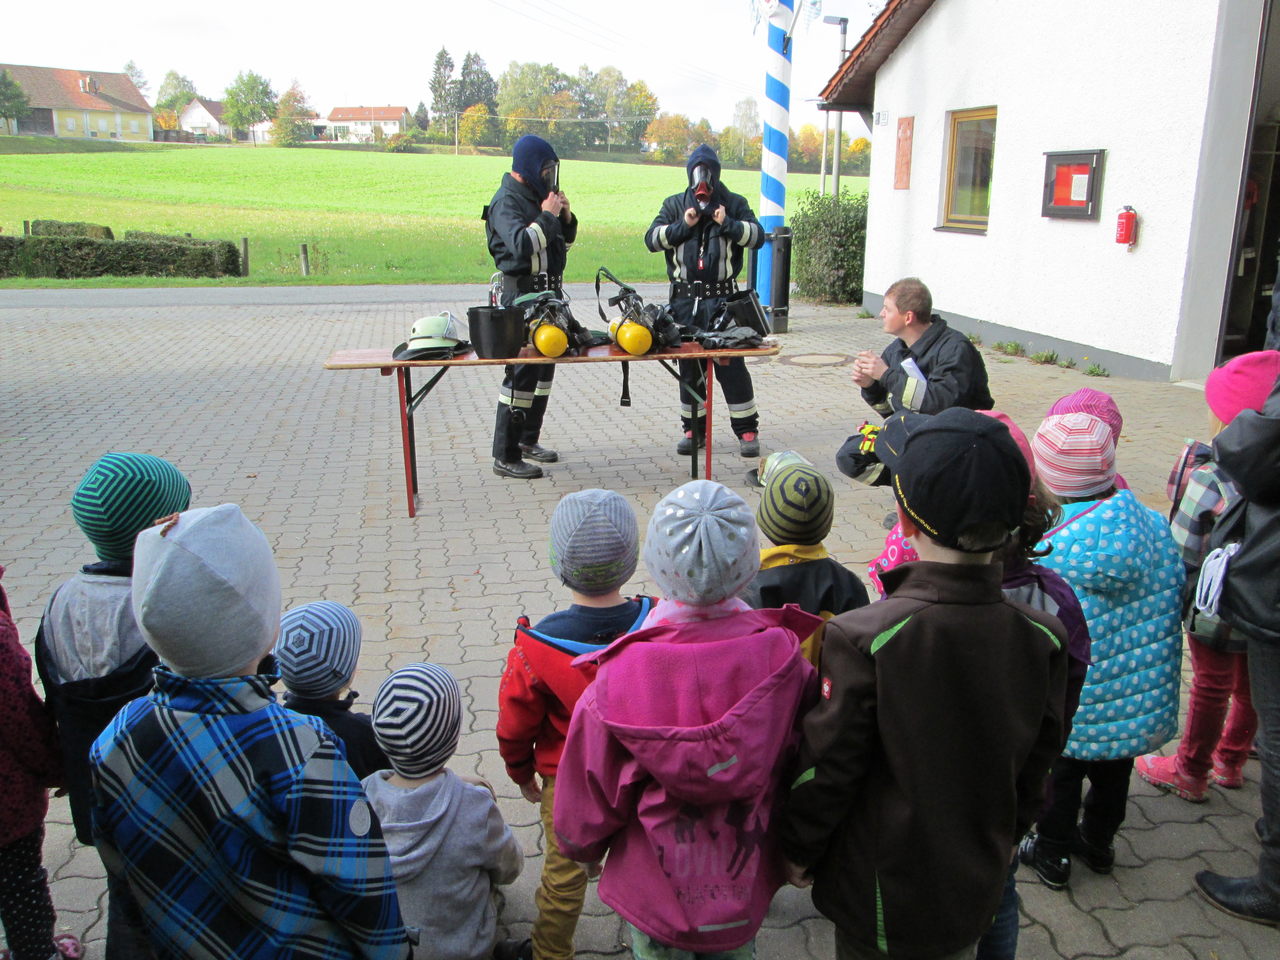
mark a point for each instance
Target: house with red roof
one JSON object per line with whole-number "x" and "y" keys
{"x": 82, "y": 104}
{"x": 357, "y": 124}
{"x": 1093, "y": 179}
{"x": 203, "y": 117}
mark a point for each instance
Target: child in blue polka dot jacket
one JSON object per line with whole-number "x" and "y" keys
{"x": 1121, "y": 560}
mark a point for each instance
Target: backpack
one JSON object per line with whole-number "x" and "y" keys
{"x": 1249, "y": 594}
{"x": 1202, "y": 596}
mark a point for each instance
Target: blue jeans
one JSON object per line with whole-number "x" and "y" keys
{"x": 1001, "y": 941}
{"x": 1264, "y": 678}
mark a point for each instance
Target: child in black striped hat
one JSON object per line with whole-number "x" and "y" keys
{"x": 796, "y": 509}
{"x": 448, "y": 842}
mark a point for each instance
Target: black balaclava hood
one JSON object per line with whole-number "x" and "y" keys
{"x": 528, "y": 158}
{"x": 704, "y": 156}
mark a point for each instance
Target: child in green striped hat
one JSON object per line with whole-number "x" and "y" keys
{"x": 796, "y": 508}
{"x": 89, "y": 651}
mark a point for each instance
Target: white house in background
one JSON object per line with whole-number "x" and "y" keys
{"x": 356, "y": 124}
{"x": 1007, "y": 136}
{"x": 203, "y": 117}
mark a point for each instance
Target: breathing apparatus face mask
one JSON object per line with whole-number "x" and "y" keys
{"x": 551, "y": 176}
{"x": 704, "y": 184}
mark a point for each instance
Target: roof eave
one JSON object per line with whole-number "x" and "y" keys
{"x": 852, "y": 86}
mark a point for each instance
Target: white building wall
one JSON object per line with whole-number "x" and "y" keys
{"x": 1129, "y": 77}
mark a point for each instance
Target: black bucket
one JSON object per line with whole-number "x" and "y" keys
{"x": 497, "y": 333}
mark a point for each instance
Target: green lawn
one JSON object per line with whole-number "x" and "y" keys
{"x": 367, "y": 217}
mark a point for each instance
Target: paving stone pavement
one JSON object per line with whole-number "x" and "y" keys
{"x": 232, "y": 391}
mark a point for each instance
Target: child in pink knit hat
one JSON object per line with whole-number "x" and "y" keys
{"x": 1097, "y": 404}
{"x": 1220, "y": 723}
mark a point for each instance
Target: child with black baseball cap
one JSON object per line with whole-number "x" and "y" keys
{"x": 940, "y": 713}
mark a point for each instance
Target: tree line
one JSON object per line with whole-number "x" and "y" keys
{"x": 578, "y": 113}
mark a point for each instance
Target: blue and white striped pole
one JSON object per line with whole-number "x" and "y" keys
{"x": 773, "y": 154}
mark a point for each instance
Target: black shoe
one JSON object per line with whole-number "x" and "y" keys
{"x": 517, "y": 469}
{"x": 513, "y": 950}
{"x": 749, "y": 448}
{"x": 687, "y": 443}
{"x": 535, "y": 452}
{"x": 1051, "y": 864}
{"x": 1098, "y": 857}
{"x": 1241, "y": 897}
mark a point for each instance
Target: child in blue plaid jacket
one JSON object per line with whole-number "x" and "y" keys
{"x": 238, "y": 825}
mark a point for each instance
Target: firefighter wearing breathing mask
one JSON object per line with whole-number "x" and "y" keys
{"x": 703, "y": 233}
{"x": 529, "y": 227}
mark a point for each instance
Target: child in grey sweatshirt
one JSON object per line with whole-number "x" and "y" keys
{"x": 448, "y": 843}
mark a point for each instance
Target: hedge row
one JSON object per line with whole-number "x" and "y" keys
{"x": 69, "y": 257}
{"x": 61, "y": 228}
{"x": 226, "y": 252}
{"x": 828, "y": 246}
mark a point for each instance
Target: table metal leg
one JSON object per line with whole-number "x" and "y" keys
{"x": 407, "y": 440}
{"x": 710, "y": 388}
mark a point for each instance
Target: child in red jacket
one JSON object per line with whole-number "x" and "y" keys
{"x": 593, "y": 550}
{"x": 29, "y": 763}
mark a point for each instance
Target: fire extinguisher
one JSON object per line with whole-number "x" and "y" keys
{"x": 1127, "y": 226}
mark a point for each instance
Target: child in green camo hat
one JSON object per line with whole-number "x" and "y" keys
{"x": 89, "y": 651}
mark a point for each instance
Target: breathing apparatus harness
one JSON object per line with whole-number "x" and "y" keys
{"x": 638, "y": 329}
{"x": 553, "y": 331}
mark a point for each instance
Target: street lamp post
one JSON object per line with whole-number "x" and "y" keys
{"x": 843, "y": 23}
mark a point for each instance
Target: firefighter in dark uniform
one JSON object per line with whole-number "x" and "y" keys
{"x": 529, "y": 227}
{"x": 703, "y": 232}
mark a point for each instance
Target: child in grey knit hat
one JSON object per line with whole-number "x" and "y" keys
{"x": 677, "y": 747}
{"x": 593, "y": 549}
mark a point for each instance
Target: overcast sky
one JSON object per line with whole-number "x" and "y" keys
{"x": 700, "y": 58}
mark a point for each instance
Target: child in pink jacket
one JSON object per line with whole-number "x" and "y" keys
{"x": 675, "y": 753}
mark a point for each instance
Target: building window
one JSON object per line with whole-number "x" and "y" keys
{"x": 71, "y": 123}
{"x": 102, "y": 124}
{"x": 971, "y": 152}
{"x": 133, "y": 126}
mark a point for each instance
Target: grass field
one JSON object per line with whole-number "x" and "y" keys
{"x": 367, "y": 217}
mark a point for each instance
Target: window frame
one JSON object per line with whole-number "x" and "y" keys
{"x": 950, "y": 221}
{"x": 1091, "y": 208}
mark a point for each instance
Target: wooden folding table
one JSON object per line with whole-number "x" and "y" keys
{"x": 381, "y": 360}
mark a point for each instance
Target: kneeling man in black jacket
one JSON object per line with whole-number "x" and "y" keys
{"x": 929, "y": 368}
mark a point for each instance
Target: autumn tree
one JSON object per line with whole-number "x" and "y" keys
{"x": 671, "y": 135}
{"x": 293, "y": 121}
{"x": 165, "y": 119}
{"x": 857, "y": 158}
{"x": 809, "y": 145}
{"x": 475, "y": 126}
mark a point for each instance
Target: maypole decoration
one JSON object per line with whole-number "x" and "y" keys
{"x": 780, "y": 17}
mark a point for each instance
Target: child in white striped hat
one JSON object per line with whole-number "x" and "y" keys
{"x": 448, "y": 843}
